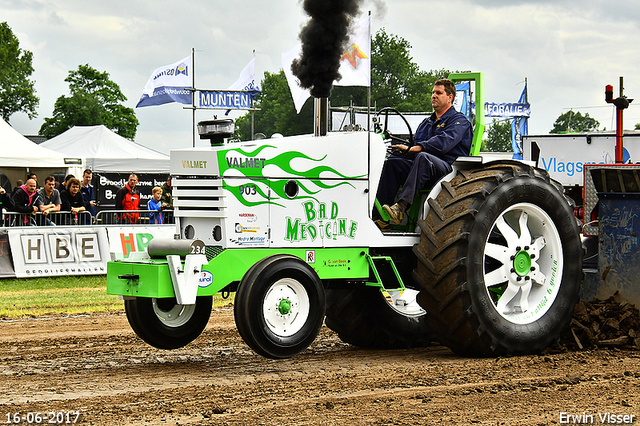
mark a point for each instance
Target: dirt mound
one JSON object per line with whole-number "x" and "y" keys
{"x": 602, "y": 323}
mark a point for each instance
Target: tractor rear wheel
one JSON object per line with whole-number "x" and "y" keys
{"x": 499, "y": 261}
{"x": 368, "y": 317}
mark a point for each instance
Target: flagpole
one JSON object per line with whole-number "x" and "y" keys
{"x": 252, "y": 112}
{"x": 369, "y": 86}
{"x": 193, "y": 95}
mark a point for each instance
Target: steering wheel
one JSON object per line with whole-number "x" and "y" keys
{"x": 387, "y": 134}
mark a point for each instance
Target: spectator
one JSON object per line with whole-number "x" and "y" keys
{"x": 19, "y": 183}
{"x": 34, "y": 177}
{"x": 5, "y": 204}
{"x": 167, "y": 198}
{"x": 49, "y": 200}
{"x": 155, "y": 205}
{"x": 62, "y": 186}
{"x": 87, "y": 192}
{"x": 72, "y": 202}
{"x": 24, "y": 201}
{"x": 128, "y": 198}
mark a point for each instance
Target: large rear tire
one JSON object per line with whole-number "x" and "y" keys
{"x": 279, "y": 306}
{"x": 367, "y": 317}
{"x": 499, "y": 261}
{"x": 164, "y": 324}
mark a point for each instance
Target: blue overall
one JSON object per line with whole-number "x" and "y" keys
{"x": 442, "y": 141}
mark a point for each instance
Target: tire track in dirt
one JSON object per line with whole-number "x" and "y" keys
{"x": 95, "y": 364}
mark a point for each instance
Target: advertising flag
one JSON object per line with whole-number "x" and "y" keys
{"x": 519, "y": 128}
{"x": 462, "y": 103}
{"x": 247, "y": 80}
{"x": 355, "y": 63}
{"x": 299, "y": 94}
{"x": 170, "y": 83}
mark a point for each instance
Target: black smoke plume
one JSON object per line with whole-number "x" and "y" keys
{"x": 324, "y": 40}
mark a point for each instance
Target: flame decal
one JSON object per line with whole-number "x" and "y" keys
{"x": 282, "y": 163}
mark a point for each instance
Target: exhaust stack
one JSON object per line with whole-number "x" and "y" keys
{"x": 320, "y": 116}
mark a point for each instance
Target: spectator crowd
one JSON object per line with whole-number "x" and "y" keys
{"x": 73, "y": 202}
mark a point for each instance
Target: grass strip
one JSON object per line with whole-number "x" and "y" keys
{"x": 41, "y": 297}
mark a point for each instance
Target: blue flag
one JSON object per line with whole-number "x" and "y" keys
{"x": 519, "y": 128}
{"x": 170, "y": 83}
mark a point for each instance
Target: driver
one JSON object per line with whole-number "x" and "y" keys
{"x": 438, "y": 141}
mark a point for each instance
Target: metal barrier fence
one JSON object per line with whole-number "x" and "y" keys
{"x": 104, "y": 217}
{"x": 143, "y": 217}
{"x": 13, "y": 219}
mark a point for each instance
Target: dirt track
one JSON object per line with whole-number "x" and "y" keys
{"x": 97, "y": 366}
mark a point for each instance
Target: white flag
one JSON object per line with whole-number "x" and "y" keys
{"x": 299, "y": 94}
{"x": 247, "y": 79}
{"x": 355, "y": 63}
{"x": 170, "y": 83}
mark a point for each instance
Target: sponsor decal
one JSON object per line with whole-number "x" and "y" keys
{"x": 194, "y": 164}
{"x": 248, "y": 217}
{"x": 245, "y": 163}
{"x": 249, "y": 241}
{"x": 206, "y": 279}
{"x": 240, "y": 228}
{"x": 337, "y": 263}
{"x": 310, "y": 256}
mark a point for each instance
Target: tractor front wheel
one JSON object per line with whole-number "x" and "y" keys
{"x": 165, "y": 324}
{"x": 279, "y": 306}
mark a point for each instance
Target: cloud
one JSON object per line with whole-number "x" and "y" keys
{"x": 567, "y": 49}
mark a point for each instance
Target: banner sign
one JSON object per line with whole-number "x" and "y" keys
{"x": 58, "y": 251}
{"x": 6, "y": 267}
{"x": 507, "y": 110}
{"x": 108, "y": 184}
{"x": 124, "y": 241}
{"x": 224, "y": 99}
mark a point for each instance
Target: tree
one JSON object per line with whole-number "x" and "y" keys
{"x": 94, "y": 100}
{"x": 17, "y": 92}
{"x": 396, "y": 81}
{"x": 637, "y": 126}
{"x": 498, "y": 137}
{"x": 574, "y": 122}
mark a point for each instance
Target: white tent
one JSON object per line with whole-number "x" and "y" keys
{"x": 18, "y": 151}
{"x": 106, "y": 151}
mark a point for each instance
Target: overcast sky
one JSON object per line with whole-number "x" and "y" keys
{"x": 567, "y": 49}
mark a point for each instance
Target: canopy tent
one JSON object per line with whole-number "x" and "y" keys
{"x": 106, "y": 151}
{"x": 18, "y": 151}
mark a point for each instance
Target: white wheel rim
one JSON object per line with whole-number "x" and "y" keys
{"x": 286, "y": 307}
{"x": 522, "y": 275}
{"x": 404, "y": 302}
{"x": 177, "y": 316}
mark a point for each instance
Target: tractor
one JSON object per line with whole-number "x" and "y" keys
{"x": 488, "y": 261}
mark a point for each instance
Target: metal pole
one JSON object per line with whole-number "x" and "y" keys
{"x": 193, "y": 95}
{"x": 619, "y": 126}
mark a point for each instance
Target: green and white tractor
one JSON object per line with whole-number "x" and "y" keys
{"x": 488, "y": 261}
